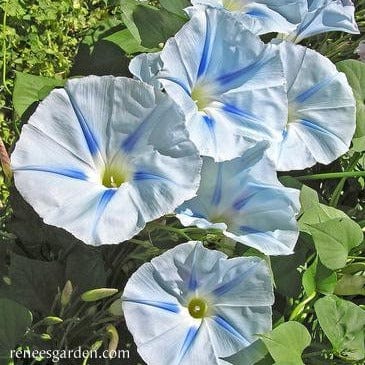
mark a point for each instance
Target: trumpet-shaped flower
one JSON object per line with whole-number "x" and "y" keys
{"x": 262, "y": 16}
{"x": 245, "y": 200}
{"x": 103, "y": 156}
{"x": 229, "y": 84}
{"x": 320, "y": 16}
{"x": 321, "y": 118}
{"x": 192, "y": 305}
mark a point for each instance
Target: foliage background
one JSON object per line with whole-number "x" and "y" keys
{"x": 60, "y": 39}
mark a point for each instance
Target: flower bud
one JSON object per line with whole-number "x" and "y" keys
{"x": 50, "y": 321}
{"x": 66, "y": 294}
{"x": 98, "y": 294}
{"x": 114, "y": 339}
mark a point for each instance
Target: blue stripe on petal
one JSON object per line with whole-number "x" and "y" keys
{"x": 229, "y": 328}
{"x": 178, "y": 82}
{"x": 217, "y": 194}
{"x": 226, "y": 287}
{"x": 240, "y": 112}
{"x": 189, "y": 339}
{"x": 193, "y": 282}
{"x": 250, "y": 230}
{"x": 91, "y": 140}
{"x": 209, "y": 121}
{"x": 256, "y": 13}
{"x": 71, "y": 173}
{"x": 206, "y": 52}
{"x": 301, "y": 98}
{"x": 242, "y": 201}
{"x": 103, "y": 202}
{"x": 248, "y": 72}
{"x": 143, "y": 175}
{"x": 170, "y": 307}
{"x": 130, "y": 142}
{"x": 309, "y": 124}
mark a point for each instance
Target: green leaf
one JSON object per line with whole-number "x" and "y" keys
{"x": 343, "y": 322}
{"x": 29, "y": 89}
{"x": 155, "y": 26}
{"x": 334, "y": 239}
{"x": 355, "y": 73}
{"x": 287, "y": 342}
{"x": 15, "y": 320}
{"x": 129, "y": 44}
{"x": 308, "y": 198}
{"x": 175, "y": 6}
{"x": 249, "y": 355}
{"x": 128, "y": 7}
{"x": 35, "y": 283}
{"x": 97, "y": 55}
{"x": 318, "y": 279}
{"x": 285, "y": 270}
{"x": 85, "y": 268}
{"x": 351, "y": 285}
{"x": 318, "y": 214}
{"x": 354, "y": 268}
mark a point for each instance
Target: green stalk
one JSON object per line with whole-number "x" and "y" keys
{"x": 332, "y": 175}
{"x": 337, "y": 192}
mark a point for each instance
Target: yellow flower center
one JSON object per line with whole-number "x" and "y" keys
{"x": 113, "y": 178}
{"x": 235, "y": 5}
{"x": 198, "y": 308}
{"x": 203, "y": 95}
{"x": 116, "y": 173}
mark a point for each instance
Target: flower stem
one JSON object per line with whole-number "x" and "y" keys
{"x": 171, "y": 229}
{"x": 332, "y": 175}
{"x": 337, "y": 192}
{"x": 300, "y": 307}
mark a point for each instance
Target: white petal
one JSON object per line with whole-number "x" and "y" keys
{"x": 233, "y": 329}
{"x": 96, "y": 124}
{"x": 322, "y": 107}
{"x": 216, "y": 59}
{"x": 325, "y": 16}
{"x": 244, "y": 198}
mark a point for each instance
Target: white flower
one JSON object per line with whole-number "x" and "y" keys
{"x": 193, "y": 306}
{"x": 321, "y": 119}
{"x": 229, "y": 84}
{"x": 104, "y": 156}
{"x": 321, "y": 16}
{"x": 260, "y": 16}
{"x": 244, "y": 199}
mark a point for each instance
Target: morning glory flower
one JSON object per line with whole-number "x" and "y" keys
{"x": 103, "y": 156}
{"x": 192, "y": 305}
{"x": 261, "y": 16}
{"x": 244, "y": 199}
{"x": 321, "y": 119}
{"x": 323, "y": 16}
{"x": 229, "y": 84}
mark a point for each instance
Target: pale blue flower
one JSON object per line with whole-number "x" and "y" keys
{"x": 320, "y": 16}
{"x": 192, "y": 305}
{"x": 244, "y": 199}
{"x": 260, "y": 16}
{"x": 104, "y": 156}
{"x": 229, "y": 84}
{"x": 321, "y": 120}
